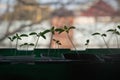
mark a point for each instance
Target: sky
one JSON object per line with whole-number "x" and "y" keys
{"x": 11, "y": 2}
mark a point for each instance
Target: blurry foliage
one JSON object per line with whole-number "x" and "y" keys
{"x": 27, "y": 12}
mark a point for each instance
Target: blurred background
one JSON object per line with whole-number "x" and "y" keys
{"x": 88, "y": 16}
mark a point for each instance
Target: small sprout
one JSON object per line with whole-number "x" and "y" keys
{"x": 12, "y": 38}
{"x": 27, "y": 46}
{"x": 103, "y": 37}
{"x": 67, "y": 29}
{"x": 57, "y": 42}
{"x": 116, "y": 32}
{"x": 18, "y": 37}
{"x": 40, "y": 34}
{"x": 87, "y": 42}
{"x": 52, "y": 31}
{"x": 23, "y": 44}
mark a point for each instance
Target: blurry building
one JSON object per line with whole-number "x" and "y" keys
{"x": 60, "y": 18}
{"x": 99, "y": 11}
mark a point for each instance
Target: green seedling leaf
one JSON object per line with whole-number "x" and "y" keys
{"x": 96, "y": 33}
{"x": 65, "y": 27}
{"x": 88, "y": 41}
{"x": 26, "y": 44}
{"x": 54, "y": 40}
{"x": 17, "y": 35}
{"x": 104, "y": 35}
{"x": 118, "y": 26}
{"x": 72, "y": 27}
{"x": 46, "y": 31}
{"x": 42, "y": 35}
{"x": 19, "y": 38}
{"x": 31, "y": 44}
{"x": 33, "y": 33}
{"x": 59, "y": 44}
{"x": 14, "y": 37}
{"x": 59, "y": 30}
{"x": 114, "y": 31}
{"x": 57, "y": 41}
{"x": 23, "y": 44}
{"x": 111, "y": 30}
{"x": 10, "y": 38}
{"x": 23, "y": 35}
{"x": 118, "y": 33}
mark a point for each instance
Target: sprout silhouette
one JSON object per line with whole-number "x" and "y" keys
{"x": 87, "y": 42}
{"x": 17, "y": 37}
{"x": 57, "y": 42}
{"x": 52, "y": 31}
{"x": 38, "y": 35}
{"x": 11, "y": 39}
{"x": 67, "y": 30}
{"x": 27, "y": 46}
{"x": 103, "y": 37}
{"x": 116, "y": 33}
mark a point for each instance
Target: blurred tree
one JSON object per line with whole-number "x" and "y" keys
{"x": 27, "y": 11}
{"x": 22, "y": 11}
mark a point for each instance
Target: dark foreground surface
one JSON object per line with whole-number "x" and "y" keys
{"x": 60, "y": 70}
{"x": 61, "y": 64}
